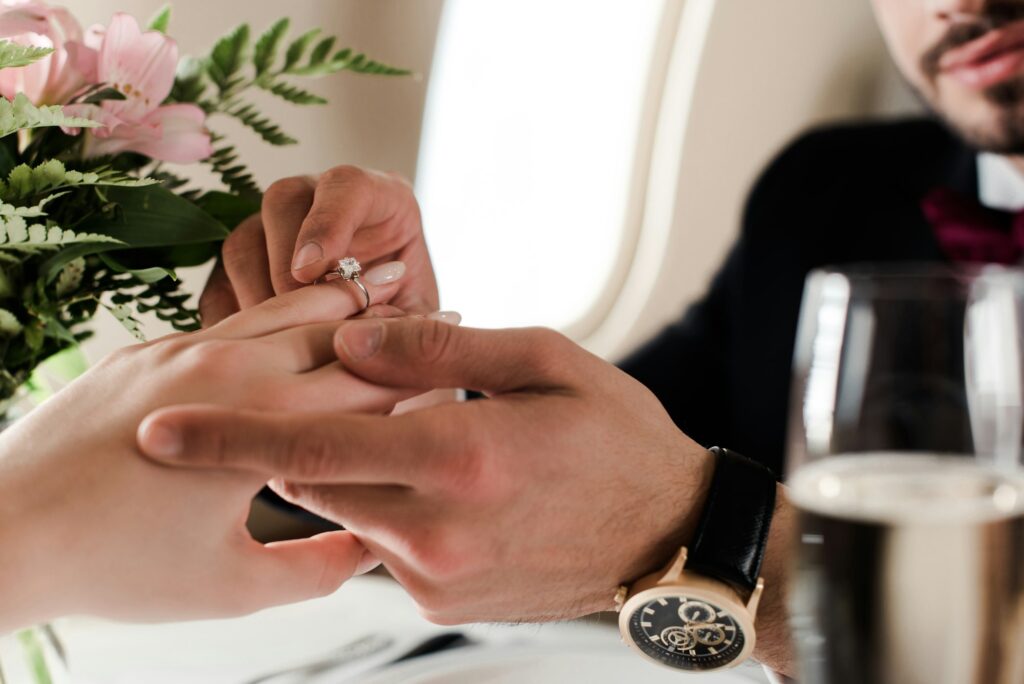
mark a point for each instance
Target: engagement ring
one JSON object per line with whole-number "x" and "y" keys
{"x": 348, "y": 269}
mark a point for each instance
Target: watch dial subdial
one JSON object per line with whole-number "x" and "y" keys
{"x": 708, "y": 634}
{"x": 680, "y": 637}
{"x": 696, "y": 612}
{"x": 687, "y": 634}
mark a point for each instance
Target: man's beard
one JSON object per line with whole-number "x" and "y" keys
{"x": 1005, "y": 135}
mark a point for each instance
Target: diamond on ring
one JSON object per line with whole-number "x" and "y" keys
{"x": 349, "y": 268}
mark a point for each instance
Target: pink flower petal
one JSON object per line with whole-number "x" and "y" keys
{"x": 140, "y": 65}
{"x": 173, "y": 133}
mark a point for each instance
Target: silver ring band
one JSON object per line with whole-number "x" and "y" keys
{"x": 347, "y": 269}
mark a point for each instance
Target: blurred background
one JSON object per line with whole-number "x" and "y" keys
{"x": 581, "y": 164}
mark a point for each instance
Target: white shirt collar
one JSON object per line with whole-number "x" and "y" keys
{"x": 1000, "y": 183}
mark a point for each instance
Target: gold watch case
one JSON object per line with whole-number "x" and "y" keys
{"x": 688, "y": 621}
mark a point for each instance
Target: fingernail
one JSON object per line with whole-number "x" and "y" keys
{"x": 450, "y": 317}
{"x": 385, "y": 273}
{"x": 361, "y": 339}
{"x": 162, "y": 441}
{"x": 310, "y": 253}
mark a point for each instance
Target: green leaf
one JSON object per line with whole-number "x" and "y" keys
{"x": 70, "y": 278}
{"x": 143, "y": 217}
{"x": 154, "y": 217}
{"x": 126, "y": 318}
{"x": 228, "y": 208}
{"x": 321, "y": 51}
{"x": 161, "y": 20}
{"x": 265, "y": 52}
{"x": 10, "y": 326}
{"x": 104, "y": 94}
{"x": 17, "y": 234}
{"x": 235, "y": 176}
{"x": 190, "y": 81}
{"x": 298, "y": 48}
{"x": 227, "y": 57}
{"x": 346, "y": 61}
{"x": 146, "y": 275}
{"x": 13, "y": 55}
{"x": 52, "y": 176}
{"x": 291, "y": 93}
{"x": 262, "y": 126}
{"x": 21, "y": 114}
{"x": 28, "y": 212}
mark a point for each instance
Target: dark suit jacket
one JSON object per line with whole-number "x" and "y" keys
{"x": 837, "y": 195}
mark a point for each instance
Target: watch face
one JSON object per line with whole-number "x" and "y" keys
{"x": 687, "y": 633}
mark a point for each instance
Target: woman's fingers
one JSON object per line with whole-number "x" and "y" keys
{"x": 331, "y": 301}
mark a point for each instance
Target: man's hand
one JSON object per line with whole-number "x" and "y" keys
{"x": 307, "y": 224}
{"x": 534, "y": 504}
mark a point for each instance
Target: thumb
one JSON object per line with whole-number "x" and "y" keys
{"x": 300, "y": 569}
{"x": 425, "y": 353}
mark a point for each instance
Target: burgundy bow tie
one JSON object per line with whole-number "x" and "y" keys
{"x": 969, "y": 232}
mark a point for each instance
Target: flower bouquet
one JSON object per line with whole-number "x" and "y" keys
{"x": 90, "y": 217}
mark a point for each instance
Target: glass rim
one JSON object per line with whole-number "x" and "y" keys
{"x": 863, "y": 270}
{"x": 919, "y": 279}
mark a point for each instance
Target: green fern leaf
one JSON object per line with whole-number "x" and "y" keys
{"x": 266, "y": 47}
{"x": 28, "y": 212}
{"x": 298, "y": 48}
{"x": 21, "y": 114}
{"x": 18, "y": 234}
{"x": 322, "y": 51}
{"x": 161, "y": 20}
{"x": 70, "y": 278}
{"x": 190, "y": 81}
{"x": 262, "y": 126}
{"x": 13, "y": 55}
{"x": 51, "y": 176}
{"x": 10, "y": 326}
{"x": 291, "y": 93}
{"x": 126, "y": 318}
{"x": 227, "y": 57}
{"x": 344, "y": 60}
{"x": 235, "y": 176}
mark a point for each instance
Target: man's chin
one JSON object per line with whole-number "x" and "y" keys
{"x": 992, "y": 121}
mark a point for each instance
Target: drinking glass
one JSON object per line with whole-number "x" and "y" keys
{"x": 904, "y": 461}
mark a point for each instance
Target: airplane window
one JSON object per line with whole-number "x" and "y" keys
{"x": 528, "y": 149}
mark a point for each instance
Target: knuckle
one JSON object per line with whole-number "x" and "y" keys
{"x": 288, "y": 191}
{"x": 434, "y": 340}
{"x": 313, "y": 455}
{"x": 346, "y": 174}
{"x": 212, "y": 360}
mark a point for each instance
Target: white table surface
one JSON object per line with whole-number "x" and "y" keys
{"x": 235, "y": 651}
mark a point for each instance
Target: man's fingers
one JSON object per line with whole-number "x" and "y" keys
{"x": 303, "y": 447}
{"x": 333, "y": 388}
{"x": 218, "y": 299}
{"x": 301, "y": 569}
{"x": 285, "y": 206}
{"x": 348, "y": 199}
{"x": 331, "y": 301}
{"x": 426, "y": 353}
{"x": 245, "y": 260}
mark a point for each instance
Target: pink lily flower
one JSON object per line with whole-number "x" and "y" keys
{"x": 141, "y": 66}
{"x": 55, "y": 78}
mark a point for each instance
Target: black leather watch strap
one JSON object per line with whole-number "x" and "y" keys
{"x": 733, "y": 529}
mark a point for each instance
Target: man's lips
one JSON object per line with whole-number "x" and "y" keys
{"x": 991, "y": 59}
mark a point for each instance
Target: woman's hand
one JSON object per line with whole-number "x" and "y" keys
{"x": 87, "y": 526}
{"x": 306, "y": 224}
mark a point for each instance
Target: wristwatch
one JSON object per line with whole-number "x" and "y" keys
{"x": 697, "y": 614}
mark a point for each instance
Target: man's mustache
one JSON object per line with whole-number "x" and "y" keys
{"x": 994, "y": 16}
